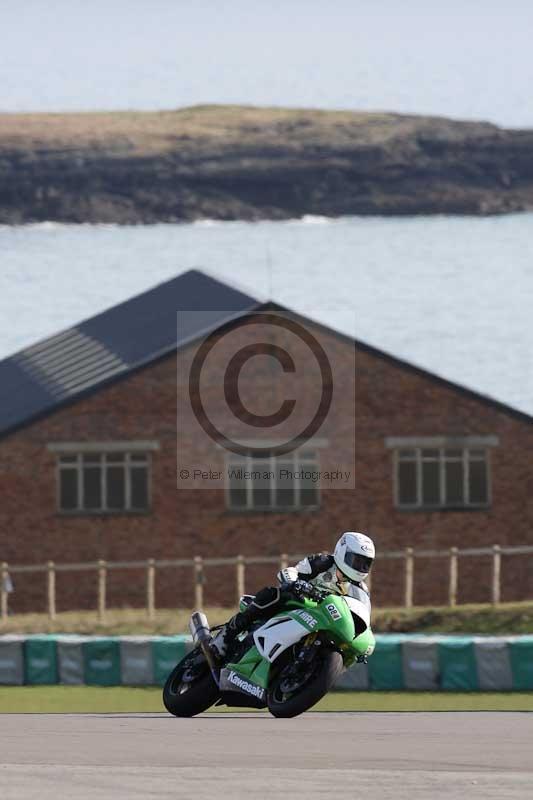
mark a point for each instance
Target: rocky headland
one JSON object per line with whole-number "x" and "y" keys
{"x": 229, "y": 162}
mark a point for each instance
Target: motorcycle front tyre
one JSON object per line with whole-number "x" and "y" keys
{"x": 329, "y": 669}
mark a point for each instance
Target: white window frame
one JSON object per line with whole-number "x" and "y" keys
{"x": 246, "y": 463}
{"x": 104, "y": 451}
{"x": 442, "y": 458}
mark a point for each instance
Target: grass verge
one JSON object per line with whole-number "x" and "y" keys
{"x": 115, "y": 699}
{"x": 507, "y": 618}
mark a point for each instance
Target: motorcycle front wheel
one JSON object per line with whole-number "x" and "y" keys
{"x": 289, "y": 696}
{"x": 190, "y": 688}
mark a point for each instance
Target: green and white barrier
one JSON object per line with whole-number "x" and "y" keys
{"x": 435, "y": 663}
{"x": 400, "y": 661}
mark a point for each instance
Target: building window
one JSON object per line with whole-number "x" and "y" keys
{"x": 111, "y": 482}
{"x": 442, "y": 477}
{"x": 284, "y": 483}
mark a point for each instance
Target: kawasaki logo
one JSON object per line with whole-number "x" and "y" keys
{"x": 246, "y": 686}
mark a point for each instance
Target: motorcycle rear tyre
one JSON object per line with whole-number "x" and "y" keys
{"x": 200, "y": 695}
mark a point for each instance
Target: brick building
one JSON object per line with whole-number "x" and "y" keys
{"x": 96, "y": 427}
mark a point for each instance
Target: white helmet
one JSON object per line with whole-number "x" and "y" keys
{"x": 354, "y": 554}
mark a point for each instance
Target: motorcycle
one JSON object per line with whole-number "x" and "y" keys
{"x": 286, "y": 664}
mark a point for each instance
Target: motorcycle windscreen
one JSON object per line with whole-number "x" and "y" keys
{"x": 359, "y": 608}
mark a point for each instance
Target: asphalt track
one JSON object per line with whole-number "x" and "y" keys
{"x": 417, "y": 756}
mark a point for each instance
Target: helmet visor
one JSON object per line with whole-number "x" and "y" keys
{"x": 358, "y": 562}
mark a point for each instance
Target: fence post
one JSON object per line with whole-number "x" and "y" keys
{"x": 452, "y": 594}
{"x": 198, "y": 583}
{"x": 283, "y": 561}
{"x": 409, "y": 575}
{"x": 240, "y": 569}
{"x": 496, "y": 574}
{"x": 51, "y": 586}
{"x": 3, "y": 591}
{"x": 150, "y": 588}
{"x": 102, "y": 581}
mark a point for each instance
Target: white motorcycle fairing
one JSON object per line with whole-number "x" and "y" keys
{"x": 276, "y": 635}
{"x": 359, "y": 608}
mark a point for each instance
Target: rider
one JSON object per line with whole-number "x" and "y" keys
{"x": 342, "y": 572}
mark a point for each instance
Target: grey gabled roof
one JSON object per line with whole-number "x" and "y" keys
{"x": 60, "y": 369}
{"x": 42, "y": 377}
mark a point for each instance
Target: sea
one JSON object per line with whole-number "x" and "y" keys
{"x": 451, "y": 294}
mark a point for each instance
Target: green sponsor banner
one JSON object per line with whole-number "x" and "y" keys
{"x": 521, "y": 654}
{"x": 166, "y": 652}
{"x": 101, "y": 659}
{"x": 457, "y": 664}
{"x": 40, "y": 660}
{"x": 385, "y": 667}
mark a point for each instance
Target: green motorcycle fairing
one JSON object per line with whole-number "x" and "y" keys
{"x": 331, "y": 615}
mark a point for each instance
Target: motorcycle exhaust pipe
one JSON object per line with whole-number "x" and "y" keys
{"x": 199, "y": 627}
{"x": 201, "y": 635}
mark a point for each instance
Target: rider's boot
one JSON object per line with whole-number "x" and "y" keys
{"x": 229, "y": 632}
{"x": 264, "y": 604}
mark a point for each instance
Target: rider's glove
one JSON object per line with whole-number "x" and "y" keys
{"x": 298, "y": 589}
{"x": 314, "y": 593}
{"x": 362, "y": 660}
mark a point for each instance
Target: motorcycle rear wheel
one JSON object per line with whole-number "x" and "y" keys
{"x": 188, "y": 698}
{"x": 328, "y": 669}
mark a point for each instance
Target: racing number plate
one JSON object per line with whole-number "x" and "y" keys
{"x": 334, "y": 612}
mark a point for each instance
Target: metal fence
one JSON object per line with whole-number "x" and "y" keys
{"x": 239, "y": 563}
